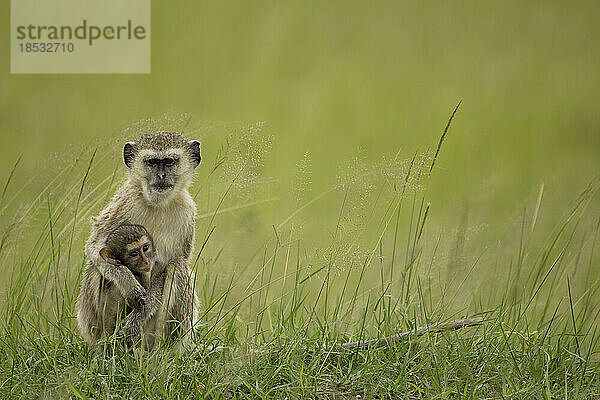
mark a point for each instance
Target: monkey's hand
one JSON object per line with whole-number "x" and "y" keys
{"x": 136, "y": 297}
{"x": 133, "y": 292}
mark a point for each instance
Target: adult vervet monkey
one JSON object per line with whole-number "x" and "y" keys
{"x": 155, "y": 195}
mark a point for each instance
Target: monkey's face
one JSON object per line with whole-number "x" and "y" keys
{"x": 162, "y": 172}
{"x": 138, "y": 256}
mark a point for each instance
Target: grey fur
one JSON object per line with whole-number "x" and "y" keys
{"x": 170, "y": 217}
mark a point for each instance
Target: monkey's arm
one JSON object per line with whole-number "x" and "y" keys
{"x": 133, "y": 292}
{"x": 109, "y": 218}
{"x": 136, "y": 319}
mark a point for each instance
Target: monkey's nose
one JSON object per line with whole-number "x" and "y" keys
{"x": 161, "y": 175}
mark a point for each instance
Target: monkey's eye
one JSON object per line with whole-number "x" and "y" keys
{"x": 134, "y": 254}
{"x": 146, "y": 247}
{"x": 169, "y": 161}
{"x": 153, "y": 161}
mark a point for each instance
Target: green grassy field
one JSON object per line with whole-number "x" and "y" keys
{"x": 333, "y": 220}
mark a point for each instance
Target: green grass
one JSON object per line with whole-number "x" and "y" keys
{"x": 280, "y": 297}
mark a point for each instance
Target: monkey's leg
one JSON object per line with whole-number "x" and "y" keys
{"x": 87, "y": 303}
{"x": 86, "y": 320}
{"x": 181, "y": 304}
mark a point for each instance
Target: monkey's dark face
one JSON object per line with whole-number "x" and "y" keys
{"x": 139, "y": 256}
{"x": 162, "y": 172}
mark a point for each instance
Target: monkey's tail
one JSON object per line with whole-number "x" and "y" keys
{"x": 404, "y": 336}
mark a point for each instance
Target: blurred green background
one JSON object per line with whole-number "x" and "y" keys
{"x": 332, "y": 77}
{"x": 336, "y": 81}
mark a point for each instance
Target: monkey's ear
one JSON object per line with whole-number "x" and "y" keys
{"x": 194, "y": 146}
{"x": 129, "y": 153}
{"x": 107, "y": 255}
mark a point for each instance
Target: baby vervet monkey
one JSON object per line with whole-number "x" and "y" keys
{"x": 130, "y": 246}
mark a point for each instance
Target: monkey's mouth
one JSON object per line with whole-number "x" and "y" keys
{"x": 160, "y": 188}
{"x": 146, "y": 268}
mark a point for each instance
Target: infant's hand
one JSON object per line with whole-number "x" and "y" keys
{"x": 136, "y": 298}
